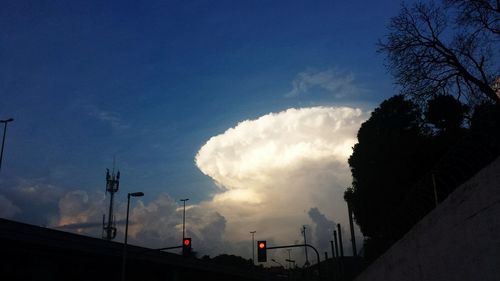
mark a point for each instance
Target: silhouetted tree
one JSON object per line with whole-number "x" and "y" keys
{"x": 391, "y": 152}
{"x": 397, "y": 147}
{"x": 406, "y": 145}
{"x": 481, "y": 14}
{"x": 430, "y": 54}
{"x": 445, "y": 113}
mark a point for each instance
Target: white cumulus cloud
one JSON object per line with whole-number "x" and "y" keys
{"x": 271, "y": 171}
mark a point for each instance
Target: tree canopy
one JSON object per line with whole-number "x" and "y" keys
{"x": 411, "y": 153}
{"x": 428, "y": 53}
{"x": 398, "y": 147}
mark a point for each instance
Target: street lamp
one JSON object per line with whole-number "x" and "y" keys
{"x": 3, "y": 139}
{"x": 184, "y": 219}
{"x": 253, "y": 247}
{"x": 124, "y": 261}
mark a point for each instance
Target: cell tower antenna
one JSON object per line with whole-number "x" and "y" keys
{"x": 305, "y": 242}
{"x": 112, "y": 185}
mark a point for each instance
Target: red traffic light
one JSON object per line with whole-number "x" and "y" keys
{"x": 186, "y": 247}
{"x": 261, "y": 251}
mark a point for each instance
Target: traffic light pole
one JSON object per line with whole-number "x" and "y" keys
{"x": 301, "y": 245}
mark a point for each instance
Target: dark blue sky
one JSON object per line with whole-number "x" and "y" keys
{"x": 151, "y": 81}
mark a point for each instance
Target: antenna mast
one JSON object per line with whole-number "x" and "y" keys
{"x": 112, "y": 185}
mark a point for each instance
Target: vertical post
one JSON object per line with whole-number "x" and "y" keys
{"x": 253, "y": 246}
{"x": 184, "y": 219}
{"x": 3, "y": 138}
{"x": 353, "y": 238}
{"x": 336, "y": 245}
{"x": 435, "y": 190}
{"x": 124, "y": 255}
{"x": 333, "y": 249}
{"x": 341, "y": 245}
{"x": 305, "y": 242}
{"x": 124, "y": 260}
{"x": 289, "y": 258}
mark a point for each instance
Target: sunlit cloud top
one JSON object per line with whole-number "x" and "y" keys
{"x": 255, "y": 149}
{"x": 272, "y": 171}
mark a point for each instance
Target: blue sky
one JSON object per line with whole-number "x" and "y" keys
{"x": 150, "y": 82}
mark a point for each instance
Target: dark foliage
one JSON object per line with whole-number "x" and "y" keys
{"x": 411, "y": 155}
{"x": 446, "y": 114}
{"x": 233, "y": 261}
{"x": 390, "y": 152}
{"x": 405, "y": 160}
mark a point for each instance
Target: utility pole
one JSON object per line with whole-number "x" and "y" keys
{"x": 3, "y": 138}
{"x": 289, "y": 260}
{"x": 336, "y": 245}
{"x": 341, "y": 245}
{"x": 305, "y": 242}
{"x": 351, "y": 225}
{"x": 253, "y": 246}
{"x": 184, "y": 219}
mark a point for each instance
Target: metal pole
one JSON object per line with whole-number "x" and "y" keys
{"x": 124, "y": 261}
{"x": 341, "y": 245}
{"x": 289, "y": 258}
{"x": 305, "y": 242}
{"x": 353, "y": 238}
{"x": 253, "y": 247}
{"x": 3, "y": 138}
{"x": 336, "y": 245}
{"x": 184, "y": 220}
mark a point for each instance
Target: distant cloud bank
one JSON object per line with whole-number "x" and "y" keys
{"x": 275, "y": 174}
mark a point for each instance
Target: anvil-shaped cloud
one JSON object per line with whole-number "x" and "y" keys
{"x": 271, "y": 171}
{"x": 275, "y": 174}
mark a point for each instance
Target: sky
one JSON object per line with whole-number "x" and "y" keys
{"x": 248, "y": 108}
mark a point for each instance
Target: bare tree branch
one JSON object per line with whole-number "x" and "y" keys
{"x": 428, "y": 57}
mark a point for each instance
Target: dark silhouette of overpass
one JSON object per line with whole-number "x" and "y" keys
{"x": 35, "y": 253}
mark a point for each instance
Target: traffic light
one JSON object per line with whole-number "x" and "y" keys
{"x": 186, "y": 247}
{"x": 261, "y": 251}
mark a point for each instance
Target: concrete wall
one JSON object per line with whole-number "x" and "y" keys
{"x": 459, "y": 240}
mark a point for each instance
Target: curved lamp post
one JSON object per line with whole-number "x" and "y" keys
{"x": 124, "y": 255}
